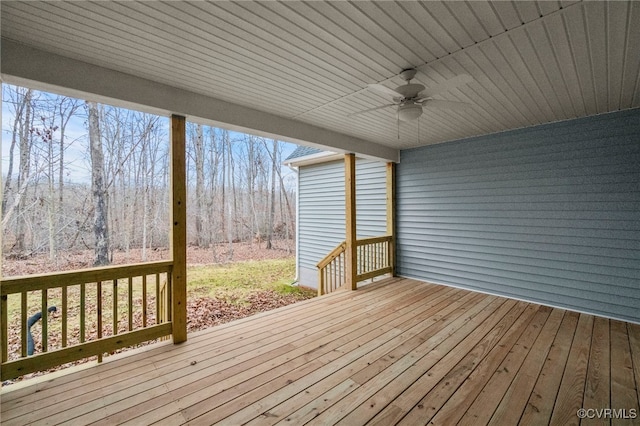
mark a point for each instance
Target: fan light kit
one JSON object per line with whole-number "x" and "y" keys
{"x": 410, "y": 98}
{"x": 409, "y": 111}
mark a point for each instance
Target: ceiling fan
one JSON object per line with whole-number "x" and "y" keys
{"x": 410, "y": 98}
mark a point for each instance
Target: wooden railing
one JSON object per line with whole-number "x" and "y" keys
{"x": 374, "y": 257}
{"x": 332, "y": 270}
{"x": 98, "y": 311}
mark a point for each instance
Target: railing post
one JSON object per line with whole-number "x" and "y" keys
{"x": 178, "y": 229}
{"x": 391, "y": 211}
{"x": 350, "y": 212}
{"x": 320, "y": 281}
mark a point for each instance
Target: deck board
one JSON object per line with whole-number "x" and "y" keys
{"x": 398, "y": 351}
{"x": 571, "y": 392}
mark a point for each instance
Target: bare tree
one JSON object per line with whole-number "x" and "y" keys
{"x": 24, "y": 169}
{"x": 214, "y": 165}
{"x": 19, "y": 102}
{"x": 227, "y": 143}
{"x": 49, "y": 204}
{"x": 67, "y": 108}
{"x": 98, "y": 189}
{"x": 272, "y": 198}
{"x": 199, "y": 163}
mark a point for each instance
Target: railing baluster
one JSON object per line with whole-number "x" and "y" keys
{"x": 45, "y": 322}
{"x": 367, "y": 250}
{"x": 339, "y": 275}
{"x": 144, "y": 301}
{"x": 115, "y": 307}
{"x": 4, "y": 340}
{"x": 83, "y": 296}
{"x": 342, "y": 264}
{"x": 65, "y": 303}
{"x": 169, "y": 295}
{"x": 385, "y": 254}
{"x": 332, "y": 277}
{"x": 23, "y": 323}
{"x": 374, "y": 256}
{"x": 328, "y": 275}
{"x": 99, "y": 308}
{"x": 365, "y": 258}
{"x": 130, "y": 303}
{"x": 343, "y": 268}
{"x": 374, "y": 264}
{"x": 158, "y": 304}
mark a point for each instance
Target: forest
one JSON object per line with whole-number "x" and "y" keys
{"x": 79, "y": 176}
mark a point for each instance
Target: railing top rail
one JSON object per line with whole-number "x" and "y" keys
{"x": 332, "y": 255}
{"x": 67, "y": 278}
{"x": 373, "y": 240}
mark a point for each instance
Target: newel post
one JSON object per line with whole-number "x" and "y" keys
{"x": 178, "y": 229}
{"x": 391, "y": 211}
{"x": 351, "y": 257}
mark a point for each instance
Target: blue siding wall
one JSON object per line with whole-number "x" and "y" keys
{"x": 549, "y": 214}
{"x": 321, "y": 213}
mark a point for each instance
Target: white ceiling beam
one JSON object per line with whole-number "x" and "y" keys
{"x": 24, "y": 65}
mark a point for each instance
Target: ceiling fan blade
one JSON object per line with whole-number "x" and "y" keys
{"x": 447, "y": 85}
{"x": 455, "y": 106}
{"x": 370, "y": 109}
{"x": 383, "y": 90}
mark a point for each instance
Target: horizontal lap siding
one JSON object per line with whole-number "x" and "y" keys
{"x": 321, "y": 216}
{"x": 371, "y": 198}
{"x": 549, "y": 214}
{"x": 322, "y": 210}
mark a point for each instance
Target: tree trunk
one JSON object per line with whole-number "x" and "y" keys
{"x": 51, "y": 180}
{"x": 199, "y": 162}
{"x": 214, "y": 163}
{"x": 145, "y": 195}
{"x": 272, "y": 206}
{"x": 250, "y": 186}
{"x": 23, "y": 174}
{"x": 227, "y": 142}
{"x": 223, "y": 209}
{"x": 17, "y": 129}
{"x": 68, "y": 108}
{"x": 290, "y": 226}
{"x": 100, "y": 229}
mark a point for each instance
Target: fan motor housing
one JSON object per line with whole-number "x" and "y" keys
{"x": 410, "y": 90}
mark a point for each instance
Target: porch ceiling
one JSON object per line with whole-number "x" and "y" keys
{"x": 310, "y": 62}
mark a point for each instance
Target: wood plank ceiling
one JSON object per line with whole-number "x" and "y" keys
{"x": 532, "y": 62}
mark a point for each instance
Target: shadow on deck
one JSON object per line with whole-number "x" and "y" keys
{"x": 396, "y": 351}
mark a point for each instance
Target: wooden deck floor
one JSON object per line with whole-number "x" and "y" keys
{"x": 395, "y": 352}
